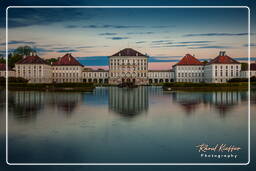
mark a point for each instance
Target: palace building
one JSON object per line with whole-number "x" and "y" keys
{"x": 129, "y": 65}
{"x": 221, "y": 69}
{"x": 189, "y": 69}
{"x": 34, "y": 69}
{"x": 67, "y": 69}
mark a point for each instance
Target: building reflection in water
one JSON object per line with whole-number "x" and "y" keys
{"x": 187, "y": 101}
{"x": 128, "y": 102}
{"x": 223, "y": 101}
{"x": 27, "y": 104}
{"x": 66, "y": 102}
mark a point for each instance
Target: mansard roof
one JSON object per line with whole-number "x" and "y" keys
{"x": 128, "y": 52}
{"x": 189, "y": 60}
{"x": 67, "y": 60}
{"x": 223, "y": 59}
{"x": 34, "y": 59}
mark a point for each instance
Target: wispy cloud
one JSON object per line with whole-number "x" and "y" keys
{"x": 138, "y": 42}
{"x": 162, "y": 26}
{"x": 215, "y": 34}
{"x": 107, "y": 34}
{"x": 252, "y": 44}
{"x": 43, "y": 50}
{"x": 148, "y": 32}
{"x": 84, "y": 47}
{"x": 117, "y": 38}
{"x": 14, "y": 42}
{"x": 111, "y": 26}
{"x": 212, "y": 47}
{"x": 41, "y": 16}
{"x": 64, "y": 50}
{"x": 71, "y": 26}
{"x": 194, "y": 42}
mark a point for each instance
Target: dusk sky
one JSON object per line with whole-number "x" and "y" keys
{"x": 165, "y": 34}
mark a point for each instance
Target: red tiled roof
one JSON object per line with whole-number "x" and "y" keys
{"x": 128, "y": 52}
{"x": 223, "y": 59}
{"x": 32, "y": 60}
{"x": 3, "y": 67}
{"x": 189, "y": 60}
{"x": 67, "y": 60}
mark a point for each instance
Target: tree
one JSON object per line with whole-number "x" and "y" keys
{"x": 205, "y": 62}
{"x": 13, "y": 58}
{"x": 18, "y": 54}
{"x": 244, "y": 66}
{"x": 23, "y": 50}
{"x": 2, "y": 59}
{"x": 51, "y": 60}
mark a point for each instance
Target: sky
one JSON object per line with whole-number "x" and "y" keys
{"x": 165, "y": 34}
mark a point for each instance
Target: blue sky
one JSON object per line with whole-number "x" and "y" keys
{"x": 164, "y": 34}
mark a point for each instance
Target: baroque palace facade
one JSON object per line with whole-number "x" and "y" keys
{"x": 129, "y": 65}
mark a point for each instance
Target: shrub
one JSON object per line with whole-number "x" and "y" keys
{"x": 17, "y": 80}
{"x": 2, "y": 80}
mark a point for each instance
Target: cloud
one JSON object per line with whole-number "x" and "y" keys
{"x": 149, "y": 32}
{"x": 167, "y": 26}
{"x": 194, "y": 42}
{"x": 43, "y": 50}
{"x": 107, "y": 34}
{"x": 140, "y": 42}
{"x": 160, "y": 41}
{"x": 67, "y": 51}
{"x": 14, "y": 42}
{"x": 211, "y": 47}
{"x": 111, "y": 26}
{"x": 45, "y": 16}
{"x": 71, "y": 26}
{"x": 84, "y": 47}
{"x": 215, "y": 34}
{"x": 252, "y": 45}
{"x": 117, "y": 38}
{"x": 178, "y": 45}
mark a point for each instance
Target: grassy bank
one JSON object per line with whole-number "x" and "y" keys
{"x": 51, "y": 87}
{"x": 208, "y": 86}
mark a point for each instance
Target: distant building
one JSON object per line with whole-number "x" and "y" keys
{"x": 95, "y": 76}
{"x": 11, "y": 72}
{"x": 245, "y": 71}
{"x": 189, "y": 69}
{"x": 67, "y": 69}
{"x": 34, "y": 69}
{"x": 221, "y": 69}
{"x": 160, "y": 76}
{"x": 128, "y": 65}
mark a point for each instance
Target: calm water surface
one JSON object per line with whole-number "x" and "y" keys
{"x": 111, "y": 124}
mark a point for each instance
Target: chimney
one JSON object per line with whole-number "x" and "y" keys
{"x": 222, "y": 53}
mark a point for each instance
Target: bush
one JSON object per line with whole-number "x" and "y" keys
{"x": 238, "y": 80}
{"x": 2, "y": 80}
{"x": 184, "y": 84}
{"x": 17, "y": 80}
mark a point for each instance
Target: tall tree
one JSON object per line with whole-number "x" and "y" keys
{"x": 23, "y": 50}
{"x": 18, "y": 54}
